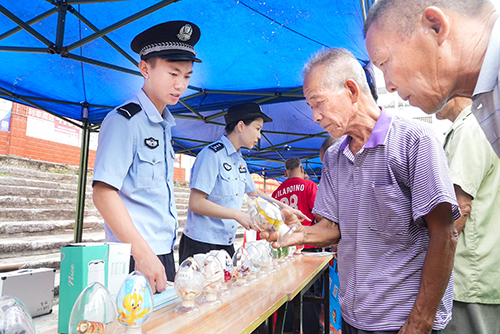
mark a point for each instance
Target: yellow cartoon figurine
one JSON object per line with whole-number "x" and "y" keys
{"x": 132, "y": 303}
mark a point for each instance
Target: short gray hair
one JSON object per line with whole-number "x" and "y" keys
{"x": 404, "y": 13}
{"x": 340, "y": 66}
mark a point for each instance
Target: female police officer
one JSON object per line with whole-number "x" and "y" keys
{"x": 219, "y": 180}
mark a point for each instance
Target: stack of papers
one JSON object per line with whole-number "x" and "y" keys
{"x": 165, "y": 298}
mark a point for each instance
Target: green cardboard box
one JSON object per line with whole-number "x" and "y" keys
{"x": 81, "y": 264}
{"x": 85, "y": 263}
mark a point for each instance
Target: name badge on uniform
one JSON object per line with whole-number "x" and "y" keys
{"x": 227, "y": 166}
{"x": 151, "y": 142}
{"x": 242, "y": 169}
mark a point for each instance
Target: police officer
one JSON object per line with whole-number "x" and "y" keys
{"x": 219, "y": 179}
{"x": 133, "y": 173}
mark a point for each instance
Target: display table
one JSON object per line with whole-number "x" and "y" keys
{"x": 296, "y": 279}
{"x": 246, "y": 308}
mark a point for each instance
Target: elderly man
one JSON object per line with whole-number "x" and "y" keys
{"x": 434, "y": 50}
{"x": 475, "y": 170}
{"x": 386, "y": 189}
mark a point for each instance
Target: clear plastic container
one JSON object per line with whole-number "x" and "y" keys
{"x": 214, "y": 274}
{"x": 267, "y": 216}
{"x": 95, "y": 310}
{"x": 256, "y": 263}
{"x": 242, "y": 263}
{"x": 227, "y": 266}
{"x": 15, "y": 317}
{"x": 276, "y": 254}
{"x": 267, "y": 257}
{"x": 188, "y": 285}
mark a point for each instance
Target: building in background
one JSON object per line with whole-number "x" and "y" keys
{"x": 34, "y": 134}
{"x": 266, "y": 185}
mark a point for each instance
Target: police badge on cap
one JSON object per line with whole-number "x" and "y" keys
{"x": 173, "y": 40}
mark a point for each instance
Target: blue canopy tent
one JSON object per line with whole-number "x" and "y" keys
{"x": 72, "y": 58}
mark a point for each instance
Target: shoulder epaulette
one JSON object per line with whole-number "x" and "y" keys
{"x": 216, "y": 147}
{"x": 130, "y": 109}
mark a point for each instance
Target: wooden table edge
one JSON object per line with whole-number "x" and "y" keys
{"x": 291, "y": 295}
{"x": 257, "y": 322}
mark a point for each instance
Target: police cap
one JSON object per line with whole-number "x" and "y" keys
{"x": 245, "y": 111}
{"x": 173, "y": 40}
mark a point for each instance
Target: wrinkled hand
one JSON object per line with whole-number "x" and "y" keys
{"x": 300, "y": 216}
{"x": 297, "y": 238}
{"x": 153, "y": 269}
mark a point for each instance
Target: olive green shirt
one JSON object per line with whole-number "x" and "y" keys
{"x": 476, "y": 169}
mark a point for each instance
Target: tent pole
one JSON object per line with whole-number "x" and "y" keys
{"x": 73, "y": 11}
{"x": 119, "y": 24}
{"x": 61, "y": 24}
{"x": 363, "y": 9}
{"x": 30, "y": 22}
{"x": 82, "y": 175}
{"x": 25, "y": 26}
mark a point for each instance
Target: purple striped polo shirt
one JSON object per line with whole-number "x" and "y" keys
{"x": 379, "y": 197}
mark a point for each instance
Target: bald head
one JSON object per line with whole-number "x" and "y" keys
{"x": 403, "y": 14}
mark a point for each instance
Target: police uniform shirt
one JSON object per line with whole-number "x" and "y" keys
{"x": 135, "y": 156}
{"x": 220, "y": 172}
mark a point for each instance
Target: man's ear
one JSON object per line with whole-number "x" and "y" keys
{"x": 436, "y": 21}
{"x": 352, "y": 89}
{"x": 144, "y": 68}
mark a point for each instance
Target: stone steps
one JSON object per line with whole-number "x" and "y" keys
{"x": 36, "y": 192}
{"x": 36, "y": 251}
{"x": 47, "y": 227}
{"x": 23, "y": 202}
{"x": 48, "y": 250}
{"x": 69, "y": 176}
{"x": 49, "y": 260}
{"x": 37, "y": 183}
{"x": 43, "y": 244}
{"x": 19, "y": 239}
{"x": 8, "y": 214}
